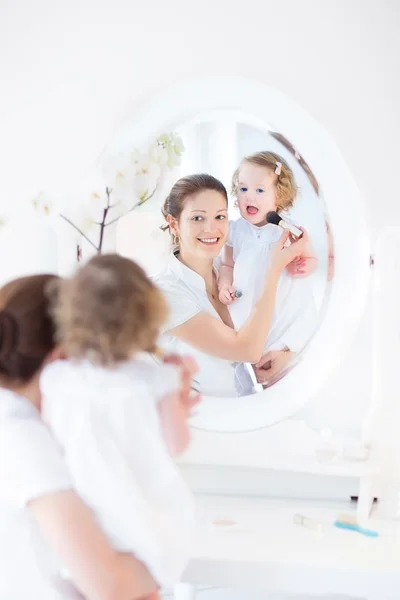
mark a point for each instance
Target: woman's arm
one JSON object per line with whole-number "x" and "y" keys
{"x": 210, "y": 335}
{"x": 123, "y": 470}
{"x": 34, "y": 477}
{"x": 98, "y": 571}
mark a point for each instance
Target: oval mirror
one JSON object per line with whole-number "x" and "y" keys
{"x": 253, "y": 140}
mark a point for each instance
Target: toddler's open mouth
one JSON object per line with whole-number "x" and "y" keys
{"x": 251, "y": 210}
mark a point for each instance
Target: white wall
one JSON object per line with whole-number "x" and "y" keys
{"x": 73, "y": 72}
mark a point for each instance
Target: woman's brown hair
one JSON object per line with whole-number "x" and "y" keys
{"x": 26, "y": 328}
{"x": 108, "y": 310}
{"x": 285, "y": 183}
{"x": 187, "y": 187}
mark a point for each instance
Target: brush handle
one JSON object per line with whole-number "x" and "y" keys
{"x": 356, "y": 528}
{"x": 295, "y": 231}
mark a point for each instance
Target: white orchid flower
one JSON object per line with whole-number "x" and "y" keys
{"x": 124, "y": 181}
{"x": 43, "y": 204}
{"x": 174, "y": 159}
{"x": 118, "y": 170}
{"x": 92, "y": 197}
{"x": 178, "y": 144}
{"x": 159, "y": 153}
{"x": 150, "y": 170}
{"x": 172, "y": 147}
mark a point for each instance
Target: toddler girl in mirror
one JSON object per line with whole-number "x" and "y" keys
{"x": 264, "y": 182}
{"x": 118, "y": 416}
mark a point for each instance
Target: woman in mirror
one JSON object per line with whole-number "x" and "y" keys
{"x": 196, "y": 212}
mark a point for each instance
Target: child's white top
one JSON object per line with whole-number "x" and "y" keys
{"x": 107, "y": 423}
{"x": 31, "y": 466}
{"x": 294, "y": 318}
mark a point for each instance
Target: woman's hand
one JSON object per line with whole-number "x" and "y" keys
{"x": 281, "y": 255}
{"x": 271, "y": 365}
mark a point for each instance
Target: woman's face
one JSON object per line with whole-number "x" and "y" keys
{"x": 203, "y": 225}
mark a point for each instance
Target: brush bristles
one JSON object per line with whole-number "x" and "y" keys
{"x": 273, "y": 218}
{"x": 347, "y": 519}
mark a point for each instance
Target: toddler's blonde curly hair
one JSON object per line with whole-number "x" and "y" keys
{"x": 108, "y": 311}
{"x": 286, "y": 188}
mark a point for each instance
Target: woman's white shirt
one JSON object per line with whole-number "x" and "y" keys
{"x": 107, "y": 424}
{"x": 31, "y": 466}
{"x": 295, "y": 318}
{"x": 186, "y": 294}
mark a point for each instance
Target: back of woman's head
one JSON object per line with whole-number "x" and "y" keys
{"x": 26, "y": 328}
{"x": 108, "y": 310}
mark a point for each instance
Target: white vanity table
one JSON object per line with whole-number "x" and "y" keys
{"x": 266, "y": 551}
{"x": 260, "y": 548}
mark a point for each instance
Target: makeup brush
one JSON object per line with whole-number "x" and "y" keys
{"x": 350, "y": 523}
{"x": 275, "y": 219}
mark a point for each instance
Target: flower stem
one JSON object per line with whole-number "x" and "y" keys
{"x": 133, "y": 208}
{"x": 103, "y": 222}
{"x": 79, "y": 231}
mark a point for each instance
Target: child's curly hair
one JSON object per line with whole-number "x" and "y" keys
{"x": 108, "y": 311}
{"x": 285, "y": 183}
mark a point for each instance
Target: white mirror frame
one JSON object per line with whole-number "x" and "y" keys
{"x": 181, "y": 103}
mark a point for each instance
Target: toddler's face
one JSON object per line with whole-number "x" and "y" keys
{"x": 256, "y": 193}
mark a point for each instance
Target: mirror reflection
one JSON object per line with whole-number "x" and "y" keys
{"x": 246, "y": 288}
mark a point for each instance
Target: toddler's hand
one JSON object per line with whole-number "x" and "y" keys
{"x": 175, "y": 408}
{"x": 297, "y": 267}
{"x": 187, "y": 367}
{"x": 302, "y": 266}
{"x": 226, "y": 294}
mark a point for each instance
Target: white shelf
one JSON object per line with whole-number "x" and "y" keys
{"x": 266, "y": 550}
{"x": 288, "y": 446}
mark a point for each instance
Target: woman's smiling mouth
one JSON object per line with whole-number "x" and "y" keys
{"x": 209, "y": 241}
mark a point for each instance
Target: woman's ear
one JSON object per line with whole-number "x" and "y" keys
{"x": 172, "y": 222}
